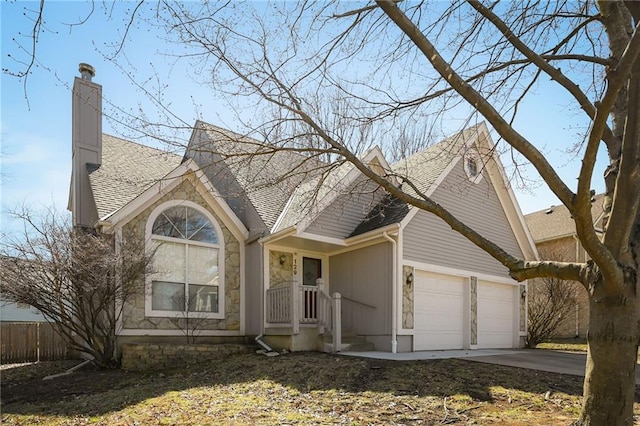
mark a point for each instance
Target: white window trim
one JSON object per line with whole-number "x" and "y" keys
{"x": 473, "y": 156}
{"x": 148, "y": 310}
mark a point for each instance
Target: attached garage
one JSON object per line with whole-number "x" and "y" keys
{"x": 495, "y": 315}
{"x": 443, "y": 312}
{"x": 439, "y": 311}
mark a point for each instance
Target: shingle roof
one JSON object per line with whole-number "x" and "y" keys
{"x": 388, "y": 211}
{"x": 556, "y": 221}
{"x": 425, "y": 167}
{"x": 268, "y": 176}
{"x": 267, "y": 179}
{"x": 127, "y": 169}
{"x": 422, "y": 169}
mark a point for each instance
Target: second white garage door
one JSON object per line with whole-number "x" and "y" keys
{"x": 438, "y": 311}
{"x": 495, "y": 315}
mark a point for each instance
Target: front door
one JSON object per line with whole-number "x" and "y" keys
{"x": 311, "y": 271}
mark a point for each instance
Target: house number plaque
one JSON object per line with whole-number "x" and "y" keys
{"x": 295, "y": 266}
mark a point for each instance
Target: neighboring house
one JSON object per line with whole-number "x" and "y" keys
{"x": 554, "y": 233}
{"x": 19, "y": 312}
{"x": 265, "y": 245}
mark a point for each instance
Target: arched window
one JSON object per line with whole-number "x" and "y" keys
{"x": 472, "y": 165}
{"x": 188, "y": 262}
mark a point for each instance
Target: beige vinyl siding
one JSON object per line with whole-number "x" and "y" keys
{"x": 253, "y": 289}
{"x": 429, "y": 239}
{"x": 347, "y": 211}
{"x": 364, "y": 275}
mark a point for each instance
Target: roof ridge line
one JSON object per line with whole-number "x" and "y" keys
{"x": 142, "y": 145}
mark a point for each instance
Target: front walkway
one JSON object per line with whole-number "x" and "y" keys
{"x": 572, "y": 363}
{"x": 423, "y": 355}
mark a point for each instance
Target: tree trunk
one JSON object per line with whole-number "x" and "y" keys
{"x": 609, "y": 386}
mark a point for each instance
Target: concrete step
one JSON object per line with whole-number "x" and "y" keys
{"x": 348, "y": 336}
{"x": 359, "y": 347}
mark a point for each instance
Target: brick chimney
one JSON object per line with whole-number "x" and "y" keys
{"x": 86, "y": 145}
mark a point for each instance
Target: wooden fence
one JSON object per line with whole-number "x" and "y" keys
{"x": 31, "y": 341}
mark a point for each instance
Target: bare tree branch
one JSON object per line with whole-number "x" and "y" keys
{"x": 475, "y": 99}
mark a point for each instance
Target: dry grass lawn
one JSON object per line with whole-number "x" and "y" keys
{"x": 292, "y": 389}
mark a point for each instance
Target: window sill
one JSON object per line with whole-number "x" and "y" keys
{"x": 190, "y": 315}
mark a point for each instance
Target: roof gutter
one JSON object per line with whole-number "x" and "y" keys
{"x": 278, "y": 235}
{"x": 376, "y": 233}
{"x": 104, "y": 225}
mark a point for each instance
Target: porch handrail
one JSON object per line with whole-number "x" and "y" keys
{"x": 325, "y": 308}
{"x": 359, "y": 302}
{"x": 330, "y": 317}
{"x": 337, "y": 322}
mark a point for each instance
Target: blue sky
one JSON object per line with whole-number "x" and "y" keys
{"x": 36, "y": 135}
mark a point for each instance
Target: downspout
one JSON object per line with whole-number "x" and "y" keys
{"x": 394, "y": 295}
{"x": 259, "y": 341}
{"x": 258, "y": 338}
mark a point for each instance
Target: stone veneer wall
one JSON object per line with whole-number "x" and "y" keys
{"x": 407, "y": 296}
{"x": 523, "y": 308}
{"x": 473, "y": 289}
{"x": 141, "y": 357}
{"x": 280, "y": 274}
{"x": 134, "y": 316}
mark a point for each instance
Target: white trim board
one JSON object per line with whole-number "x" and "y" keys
{"x": 165, "y": 185}
{"x": 458, "y": 272}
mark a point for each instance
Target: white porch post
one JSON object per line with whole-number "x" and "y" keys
{"x": 337, "y": 322}
{"x": 295, "y": 307}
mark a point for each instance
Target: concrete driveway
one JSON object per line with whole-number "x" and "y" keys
{"x": 535, "y": 359}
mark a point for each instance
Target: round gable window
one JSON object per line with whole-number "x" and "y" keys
{"x": 472, "y": 168}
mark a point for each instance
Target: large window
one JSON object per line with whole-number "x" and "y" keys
{"x": 188, "y": 262}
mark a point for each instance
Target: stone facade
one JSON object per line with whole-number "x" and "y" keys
{"x": 134, "y": 311}
{"x": 523, "y": 308}
{"x": 146, "y": 357}
{"x": 280, "y": 268}
{"x": 407, "y": 296}
{"x": 473, "y": 308}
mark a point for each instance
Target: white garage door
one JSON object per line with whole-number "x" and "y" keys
{"x": 495, "y": 315}
{"x": 438, "y": 311}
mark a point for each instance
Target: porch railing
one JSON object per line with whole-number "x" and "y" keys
{"x": 330, "y": 318}
{"x": 279, "y": 303}
{"x": 308, "y": 305}
{"x": 325, "y": 309}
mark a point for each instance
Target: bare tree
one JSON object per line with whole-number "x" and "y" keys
{"x": 77, "y": 279}
{"x": 550, "y": 301}
{"x": 190, "y": 320}
{"x": 389, "y": 61}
